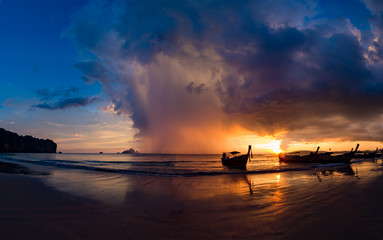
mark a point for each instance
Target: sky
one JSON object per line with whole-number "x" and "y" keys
{"x": 193, "y": 76}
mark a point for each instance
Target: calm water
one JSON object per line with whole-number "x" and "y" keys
{"x": 155, "y": 164}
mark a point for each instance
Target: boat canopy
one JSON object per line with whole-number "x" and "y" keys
{"x": 234, "y": 152}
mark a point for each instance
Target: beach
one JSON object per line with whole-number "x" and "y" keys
{"x": 341, "y": 202}
{"x": 147, "y": 119}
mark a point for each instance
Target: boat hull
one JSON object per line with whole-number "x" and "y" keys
{"x": 239, "y": 161}
{"x": 368, "y": 155}
{"x": 316, "y": 158}
{"x": 344, "y": 158}
{"x": 296, "y": 159}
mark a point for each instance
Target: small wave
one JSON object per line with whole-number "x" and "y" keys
{"x": 148, "y": 162}
{"x": 364, "y": 160}
{"x": 177, "y": 172}
{"x": 162, "y": 168}
{"x": 141, "y": 163}
{"x": 34, "y": 160}
{"x": 329, "y": 165}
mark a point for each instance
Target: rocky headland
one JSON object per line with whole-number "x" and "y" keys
{"x": 11, "y": 142}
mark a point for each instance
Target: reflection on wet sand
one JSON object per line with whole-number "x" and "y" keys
{"x": 268, "y": 191}
{"x": 283, "y": 205}
{"x": 111, "y": 188}
{"x": 107, "y": 188}
{"x": 345, "y": 170}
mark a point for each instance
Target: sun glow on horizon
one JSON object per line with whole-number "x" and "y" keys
{"x": 270, "y": 145}
{"x": 276, "y": 146}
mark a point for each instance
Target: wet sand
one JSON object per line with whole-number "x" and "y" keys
{"x": 330, "y": 204}
{"x": 31, "y": 210}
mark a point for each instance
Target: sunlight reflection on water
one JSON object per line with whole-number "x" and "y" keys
{"x": 268, "y": 187}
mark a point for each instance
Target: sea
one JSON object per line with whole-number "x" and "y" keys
{"x": 180, "y": 196}
{"x": 182, "y": 165}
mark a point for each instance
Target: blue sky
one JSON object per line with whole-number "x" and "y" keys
{"x": 34, "y": 53}
{"x": 36, "y": 56}
{"x": 189, "y": 76}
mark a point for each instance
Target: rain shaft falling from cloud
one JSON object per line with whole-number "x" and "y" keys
{"x": 190, "y": 73}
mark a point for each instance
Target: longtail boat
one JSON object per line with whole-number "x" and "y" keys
{"x": 326, "y": 157}
{"x": 232, "y": 159}
{"x": 341, "y": 158}
{"x": 296, "y": 157}
{"x": 368, "y": 154}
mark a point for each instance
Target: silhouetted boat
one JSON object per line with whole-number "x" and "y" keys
{"x": 341, "y": 158}
{"x": 232, "y": 160}
{"x": 316, "y": 157}
{"x": 368, "y": 154}
{"x": 296, "y": 157}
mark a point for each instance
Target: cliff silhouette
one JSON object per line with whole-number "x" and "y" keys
{"x": 13, "y": 143}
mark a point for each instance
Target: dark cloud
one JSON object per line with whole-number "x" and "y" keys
{"x": 54, "y": 99}
{"x": 91, "y": 70}
{"x": 259, "y": 67}
{"x": 48, "y": 94}
{"x": 374, "y": 5}
{"x": 67, "y": 103}
{"x": 190, "y": 88}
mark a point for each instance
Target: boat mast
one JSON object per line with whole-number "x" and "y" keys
{"x": 248, "y": 153}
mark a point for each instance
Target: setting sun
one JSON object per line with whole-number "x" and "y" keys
{"x": 275, "y": 146}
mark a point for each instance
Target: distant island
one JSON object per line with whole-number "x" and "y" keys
{"x": 130, "y": 151}
{"x": 11, "y": 142}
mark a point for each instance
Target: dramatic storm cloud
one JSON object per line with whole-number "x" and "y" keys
{"x": 191, "y": 73}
